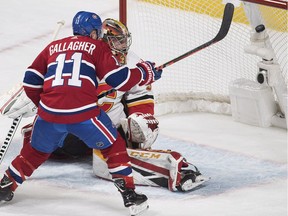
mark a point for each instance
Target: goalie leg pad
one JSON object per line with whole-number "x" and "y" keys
{"x": 170, "y": 168}
{"x": 158, "y": 168}
{"x": 176, "y": 161}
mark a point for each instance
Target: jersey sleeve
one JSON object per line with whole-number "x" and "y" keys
{"x": 34, "y": 77}
{"x": 140, "y": 99}
{"x": 121, "y": 78}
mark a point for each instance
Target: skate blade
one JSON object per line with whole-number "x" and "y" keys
{"x": 5, "y": 202}
{"x": 188, "y": 186}
{"x": 136, "y": 210}
{"x": 7, "y": 199}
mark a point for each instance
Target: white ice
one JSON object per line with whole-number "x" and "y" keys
{"x": 247, "y": 164}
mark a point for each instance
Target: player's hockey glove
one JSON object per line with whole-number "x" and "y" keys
{"x": 150, "y": 73}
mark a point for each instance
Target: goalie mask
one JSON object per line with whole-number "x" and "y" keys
{"x": 117, "y": 36}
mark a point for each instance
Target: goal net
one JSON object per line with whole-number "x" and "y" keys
{"x": 165, "y": 29}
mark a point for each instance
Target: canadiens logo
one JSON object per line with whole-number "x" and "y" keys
{"x": 95, "y": 16}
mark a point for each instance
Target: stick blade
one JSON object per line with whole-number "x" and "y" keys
{"x": 226, "y": 23}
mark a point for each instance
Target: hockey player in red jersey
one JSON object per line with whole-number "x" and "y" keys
{"x": 132, "y": 112}
{"x": 62, "y": 82}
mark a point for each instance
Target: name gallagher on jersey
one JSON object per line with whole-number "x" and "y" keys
{"x": 73, "y": 45}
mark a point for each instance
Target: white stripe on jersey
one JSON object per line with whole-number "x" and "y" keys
{"x": 67, "y": 110}
{"x": 104, "y": 130}
{"x": 32, "y": 86}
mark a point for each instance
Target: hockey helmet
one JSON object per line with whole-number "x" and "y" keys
{"x": 85, "y": 22}
{"x": 117, "y": 36}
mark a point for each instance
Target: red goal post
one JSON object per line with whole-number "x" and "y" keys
{"x": 165, "y": 29}
{"x": 123, "y": 11}
{"x": 283, "y": 4}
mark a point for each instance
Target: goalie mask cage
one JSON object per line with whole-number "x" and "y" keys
{"x": 165, "y": 29}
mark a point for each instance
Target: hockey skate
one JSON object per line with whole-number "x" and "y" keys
{"x": 190, "y": 180}
{"x": 136, "y": 203}
{"x": 6, "y": 193}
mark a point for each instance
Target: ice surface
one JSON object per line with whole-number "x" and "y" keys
{"x": 247, "y": 165}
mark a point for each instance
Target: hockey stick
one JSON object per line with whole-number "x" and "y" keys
{"x": 4, "y": 109}
{"x": 9, "y": 137}
{"x": 17, "y": 120}
{"x": 223, "y": 31}
{"x": 56, "y": 32}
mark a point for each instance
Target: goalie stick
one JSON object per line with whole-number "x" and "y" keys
{"x": 9, "y": 137}
{"x": 17, "y": 120}
{"x": 56, "y": 32}
{"x": 223, "y": 31}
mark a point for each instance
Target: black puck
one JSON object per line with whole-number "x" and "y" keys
{"x": 260, "y": 28}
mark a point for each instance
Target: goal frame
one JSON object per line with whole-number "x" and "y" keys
{"x": 282, "y": 4}
{"x": 123, "y": 11}
{"x": 198, "y": 100}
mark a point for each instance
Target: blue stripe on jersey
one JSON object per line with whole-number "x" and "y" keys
{"x": 16, "y": 177}
{"x": 125, "y": 172}
{"x": 50, "y": 70}
{"x": 86, "y": 70}
{"x": 66, "y": 111}
{"x": 118, "y": 77}
{"x": 33, "y": 79}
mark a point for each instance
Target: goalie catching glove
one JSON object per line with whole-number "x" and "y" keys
{"x": 141, "y": 128}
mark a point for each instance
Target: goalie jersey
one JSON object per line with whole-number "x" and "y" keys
{"x": 138, "y": 99}
{"x": 150, "y": 167}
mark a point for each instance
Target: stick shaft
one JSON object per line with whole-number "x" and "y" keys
{"x": 9, "y": 137}
{"x": 56, "y": 31}
{"x": 225, "y": 26}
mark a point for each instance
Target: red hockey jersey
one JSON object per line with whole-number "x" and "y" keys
{"x": 63, "y": 79}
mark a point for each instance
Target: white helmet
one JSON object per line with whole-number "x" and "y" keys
{"x": 117, "y": 36}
